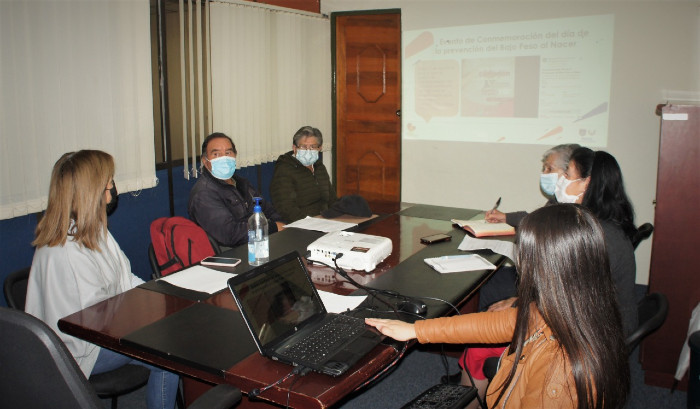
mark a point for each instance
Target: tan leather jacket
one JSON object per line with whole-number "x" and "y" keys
{"x": 543, "y": 378}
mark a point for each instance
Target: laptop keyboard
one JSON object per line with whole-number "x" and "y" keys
{"x": 443, "y": 396}
{"x": 326, "y": 340}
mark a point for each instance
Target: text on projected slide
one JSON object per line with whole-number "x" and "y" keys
{"x": 536, "y": 82}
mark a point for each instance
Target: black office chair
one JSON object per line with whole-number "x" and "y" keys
{"x": 490, "y": 367}
{"x": 38, "y": 371}
{"x": 15, "y": 288}
{"x": 643, "y": 233}
{"x": 107, "y": 385}
{"x": 651, "y": 311}
{"x": 214, "y": 244}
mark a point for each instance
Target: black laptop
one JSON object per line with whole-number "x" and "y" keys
{"x": 289, "y": 323}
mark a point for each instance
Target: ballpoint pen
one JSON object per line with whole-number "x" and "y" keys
{"x": 498, "y": 202}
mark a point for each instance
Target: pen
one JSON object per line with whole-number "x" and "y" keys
{"x": 498, "y": 202}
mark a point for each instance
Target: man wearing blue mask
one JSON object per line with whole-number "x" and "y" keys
{"x": 301, "y": 185}
{"x": 221, "y": 201}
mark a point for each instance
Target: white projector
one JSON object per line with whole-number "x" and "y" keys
{"x": 360, "y": 251}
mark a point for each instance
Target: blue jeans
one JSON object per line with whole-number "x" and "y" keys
{"x": 161, "y": 389}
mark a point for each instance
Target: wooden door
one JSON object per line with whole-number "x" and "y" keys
{"x": 367, "y": 96}
{"x": 674, "y": 269}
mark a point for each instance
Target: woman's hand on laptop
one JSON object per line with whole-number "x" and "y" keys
{"x": 399, "y": 330}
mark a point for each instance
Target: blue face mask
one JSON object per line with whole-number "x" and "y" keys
{"x": 223, "y": 167}
{"x": 548, "y": 183}
{"x": 307, "y": 157}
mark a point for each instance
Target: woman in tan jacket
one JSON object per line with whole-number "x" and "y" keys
{"x": 567, "y": 348}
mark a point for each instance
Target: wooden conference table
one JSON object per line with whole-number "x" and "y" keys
{"x": 203, "y": 337}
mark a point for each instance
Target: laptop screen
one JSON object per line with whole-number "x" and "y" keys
{"x": 276, "y": 297}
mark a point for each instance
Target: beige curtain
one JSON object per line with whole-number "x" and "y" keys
{"x": 270, "y": 75}
{"x": 73, "y": 75}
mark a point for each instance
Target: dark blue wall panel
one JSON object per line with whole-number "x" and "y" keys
{"x": 130, "y": 223}
{"x": 16, "y": 249}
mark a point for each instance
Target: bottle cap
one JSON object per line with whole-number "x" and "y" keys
{"x": 257, "y": 208}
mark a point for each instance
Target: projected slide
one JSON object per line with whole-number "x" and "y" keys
{"x": 532, "y": 82}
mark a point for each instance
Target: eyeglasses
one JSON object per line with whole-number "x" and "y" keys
{"x": 309, "y": 147}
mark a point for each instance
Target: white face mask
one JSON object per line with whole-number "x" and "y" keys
{"x": 307, "y": 157}
{"x": 560, "y": 191}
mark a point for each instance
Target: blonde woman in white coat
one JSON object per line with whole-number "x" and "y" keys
{"x": 77, "y": 263}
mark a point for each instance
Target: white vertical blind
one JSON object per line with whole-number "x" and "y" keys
{"x": 73, "y": 75}
{"x": 191, "y": 82}
{"x": 183, "y": 92}
{"x": 270, "y": 75}
{"x": 200, "y": 68}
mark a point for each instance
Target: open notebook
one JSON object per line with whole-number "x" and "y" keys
{"x": 289, "y": 323}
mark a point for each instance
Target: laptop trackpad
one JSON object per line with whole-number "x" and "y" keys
{"x": 347, "y": 356}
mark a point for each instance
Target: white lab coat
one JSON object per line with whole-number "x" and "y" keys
{"x": 66, "y": 279}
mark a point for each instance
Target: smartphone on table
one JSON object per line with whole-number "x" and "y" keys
{"x": 221, "y": 261}
{"x": 435, "y": 238}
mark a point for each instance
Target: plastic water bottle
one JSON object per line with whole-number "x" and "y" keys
{"x": 258, "y": 240}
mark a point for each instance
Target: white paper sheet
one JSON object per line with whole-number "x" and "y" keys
{"x": 207, "y": 280}
{"x": 459, "y": 263}
{"x": 340, "y": 303}
{"x": 199, "y": 278}
{"x": 505, "y": 248}
{"x": 318, "y": 224}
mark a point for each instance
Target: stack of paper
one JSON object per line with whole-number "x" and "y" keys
{"x": 455, "y": 264}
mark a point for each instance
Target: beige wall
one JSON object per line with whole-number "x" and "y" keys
{"x": 656, "y": 58}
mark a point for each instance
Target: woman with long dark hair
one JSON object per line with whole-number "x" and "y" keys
{"x": 567, "y": 348}
{"x": 594, "y": 179}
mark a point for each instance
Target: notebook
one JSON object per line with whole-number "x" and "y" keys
{"x": 284, "y": 312}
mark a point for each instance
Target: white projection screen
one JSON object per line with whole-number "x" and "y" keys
{"x": 541, "y": 82}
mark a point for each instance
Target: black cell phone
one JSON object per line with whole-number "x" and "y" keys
{"x": 221, "y": 261}
{"x": 435, "y": 238}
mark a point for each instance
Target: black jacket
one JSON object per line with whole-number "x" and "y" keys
{"x": 223, "y": 210}
{"x": 297, "y": 192}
